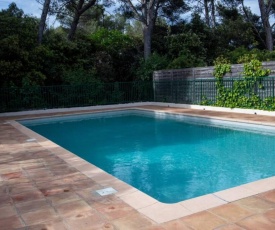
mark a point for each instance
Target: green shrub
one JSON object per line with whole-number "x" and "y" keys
{"x": 147, "y": 67}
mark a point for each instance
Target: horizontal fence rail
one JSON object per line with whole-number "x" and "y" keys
{"x": 187, "y": 91}
{"x": 62, "y": 96}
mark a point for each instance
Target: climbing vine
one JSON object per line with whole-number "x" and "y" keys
{"x": 244, "y": 92}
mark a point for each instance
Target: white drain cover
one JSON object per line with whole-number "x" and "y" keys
{"x": 106, "y": 191}
{"x": 30, "y": 140}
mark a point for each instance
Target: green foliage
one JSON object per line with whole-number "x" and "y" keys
{"x": 222, "y": 67}
{"x": 109, "y": 49}
{"x": 254, "y": 71}
{"x": 79, "y": 77}
{"x": 116, "y": 54}
{"x": 186, "y": 60}
{"x": 185, "y": 50}
{"x": 111, "y": 40}
{"x": 244, "y": 92}
{"x": 243, "y": 55}
{"x": 147, "y": 67}
{"x": 18, "y": 43}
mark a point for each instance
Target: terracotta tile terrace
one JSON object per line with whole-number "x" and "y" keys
{"x": 43, "y": 186}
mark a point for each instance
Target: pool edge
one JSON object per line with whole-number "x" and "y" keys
{"x": 157, "y": 211}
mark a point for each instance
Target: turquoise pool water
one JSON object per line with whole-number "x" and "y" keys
{"x": 169, "y": 157}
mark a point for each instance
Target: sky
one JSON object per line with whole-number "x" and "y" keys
{"x": 33, "y": 8}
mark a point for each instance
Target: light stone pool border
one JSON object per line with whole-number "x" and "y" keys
{"x": 150, "y": 207}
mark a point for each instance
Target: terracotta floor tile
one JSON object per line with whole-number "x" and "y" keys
{"x": 62, "y": 168}
{"x": 105, "y": 200}
{"x": 18, "y": 180}
{"x": 9, "y": 168}
{"x": 91, "y": 197}
{"x": 59, "y": 166}
{"x": 155, "y": 227}
{"x": 73, "y": 208}
{"x": 256, "y": 222}
{"x": 255, "y": 204}
{"x": 38, "y": 171}
{"x": 38, "y": 177}
{"x": 7, "y": 211}
{"x": 13, "y": 175}
{"x": 5, "y": 199}
{"x": 107, "y": 226}
{"x": 33, "y": 205}
{"x": 40, "y": 215}
{"x": 64, "y": 197}
{"x": 116, "y": 209}
{"x": 84, "y": 184}
{"x": 270, "y": 215}
{"x": 231, "y": 212}
{"x": 17, "y": 154}
{"x": 85, "y": 220}
{"x": 27, "y": 196}
{"x": 74, "y": 177}
{"x": 203, "y": 221}
{"x": 49, "y": 184}
{"x": 175, "y": 225}
{"x": 12, "y": 222}
{"x": 54, "y": 190}
{"x": 21, "y": 188}
{"x": 133, "y": 222}
{"x": 37, "y": 164}
{"x": 3, "y": 189}
{"x": 270, "y": 196}
{"x": 230, "y": 227}
{"x": 57, "y": 224}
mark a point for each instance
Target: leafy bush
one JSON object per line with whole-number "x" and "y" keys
{"x": 147, "y": 67}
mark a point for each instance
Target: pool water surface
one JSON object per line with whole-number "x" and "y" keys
{"x": 171, "y": 158}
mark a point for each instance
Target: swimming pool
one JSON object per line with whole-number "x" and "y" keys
{"x": 168, "y": 156}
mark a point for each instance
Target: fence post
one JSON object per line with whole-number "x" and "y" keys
{"x": 201, "y": 93}
{"x": 273, "y": 87}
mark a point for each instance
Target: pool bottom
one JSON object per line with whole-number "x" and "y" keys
{"x": 141, "y": 202}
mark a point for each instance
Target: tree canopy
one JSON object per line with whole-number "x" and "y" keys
{"x": 99, "y": 41}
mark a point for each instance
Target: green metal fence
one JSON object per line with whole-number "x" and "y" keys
{"x": 194, "y": 91}
{"x": 46, "y": 97}
{"x": 187, "y": 91}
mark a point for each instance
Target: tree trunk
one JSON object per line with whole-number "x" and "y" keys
{"x": 148, "y": 19}
{"x": 206, "y": 12}
{"x": 269, "y": 38}
{"x": 265, "y": 10}
{"x": 73, "y": 26}
{"x": 213, "y": 13}
{"x": 80, "y": 9}
{"x": 147, "y": 36}
{"x": 42, "y": 22}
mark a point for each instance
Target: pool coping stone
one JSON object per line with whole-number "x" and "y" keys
{"x": 148, "y": 206}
